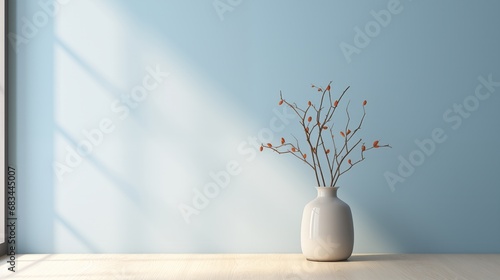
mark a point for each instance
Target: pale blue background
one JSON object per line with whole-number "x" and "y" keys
{"x": 225, "y": 76}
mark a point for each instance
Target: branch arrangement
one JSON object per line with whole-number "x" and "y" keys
{"x": 328, "y": 157}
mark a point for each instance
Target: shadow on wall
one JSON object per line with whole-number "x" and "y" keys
{"x": 35, "y": 193}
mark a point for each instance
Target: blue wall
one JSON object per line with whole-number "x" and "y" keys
{"x": 127, "y": 110}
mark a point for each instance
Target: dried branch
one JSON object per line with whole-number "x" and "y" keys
{"x": 314, "y": 129}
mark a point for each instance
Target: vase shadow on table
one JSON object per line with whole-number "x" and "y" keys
{"x": 379, "y": 257}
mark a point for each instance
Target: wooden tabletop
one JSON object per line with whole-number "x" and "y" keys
{"x": 251, "y": 266}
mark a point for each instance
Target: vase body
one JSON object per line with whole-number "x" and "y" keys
{"x": 327, "y": 232}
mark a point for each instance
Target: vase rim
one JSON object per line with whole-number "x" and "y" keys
{"x": 323, "y": 187}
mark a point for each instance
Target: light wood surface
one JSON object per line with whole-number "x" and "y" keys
{"x": 250, "y": 266}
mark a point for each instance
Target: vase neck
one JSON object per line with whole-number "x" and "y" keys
{"x": 327, "y": 191}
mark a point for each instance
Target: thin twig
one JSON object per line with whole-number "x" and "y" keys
{"x": 316, "y": 139}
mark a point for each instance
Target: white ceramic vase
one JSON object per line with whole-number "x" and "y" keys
{"x": 327, "y": 232}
